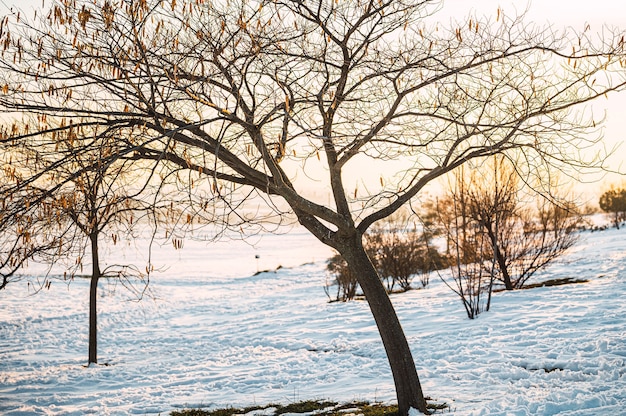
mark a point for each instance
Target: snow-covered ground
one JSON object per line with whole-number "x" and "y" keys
{"x": 214, "y": 335}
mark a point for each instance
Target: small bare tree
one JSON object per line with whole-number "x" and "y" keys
{"x": 496, "y": 235}
{"x": 523, "y": 241}
{"x": 82, "y": 196}
{"x": 100, "y": 204}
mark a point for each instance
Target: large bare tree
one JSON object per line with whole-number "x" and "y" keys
{"x": 256, "y": 96}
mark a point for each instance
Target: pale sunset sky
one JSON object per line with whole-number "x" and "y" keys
{"x": 559, "y": 13}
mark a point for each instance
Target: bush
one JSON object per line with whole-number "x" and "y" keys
{"x": 614, "y": 201}
{"x": 401, "y": 255}
{"x": 397, "y": 254}
{"x": 343, "y": 278}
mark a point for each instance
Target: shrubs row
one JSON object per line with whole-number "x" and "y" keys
{"x": 399, "y": 256}
{"x": 487, "y": 226}
{"x": 316, "y": 407}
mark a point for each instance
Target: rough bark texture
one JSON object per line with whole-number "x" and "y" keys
{"x": 408, "y": 387}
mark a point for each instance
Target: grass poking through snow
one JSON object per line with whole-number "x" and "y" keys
{"x": 309, "y": 407}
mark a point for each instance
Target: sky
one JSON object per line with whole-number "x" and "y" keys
{"x": 568, "y": 14}
{"x": 559, "y": 13}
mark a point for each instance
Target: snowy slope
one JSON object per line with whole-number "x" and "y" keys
{"x": 213, "y": 337}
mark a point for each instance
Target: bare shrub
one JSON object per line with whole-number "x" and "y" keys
{"x": 548, "y": 232}
{"x": 472, "y": 266}
{"x": 344, "y": 280}
{"x": 399, "y": 254}
{"x": 473, "y": 282}
{"x": 493, "y": 236}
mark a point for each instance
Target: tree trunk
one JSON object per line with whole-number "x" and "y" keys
{"x": 408, "y": 388}
{"x": 506, "y": 277}
{"x": 93, "y": 299}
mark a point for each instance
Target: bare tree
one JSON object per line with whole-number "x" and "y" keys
{"x": 469, "y": 249}
{"x": 73, "y": 195}
{"x": 493, "y": 235}
{"x": 255, "y": 96}
{"x": 522, "y": 240}
{"x": 496, "y": 233}
{"x": 493, "y": 204}
{"x": 101, "y": 205}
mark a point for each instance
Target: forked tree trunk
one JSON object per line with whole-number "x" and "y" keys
{"x": 408, "y": 388}
{"x": 93, "y": 299}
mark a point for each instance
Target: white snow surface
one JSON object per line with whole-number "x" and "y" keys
{"x": 216, "y": 335}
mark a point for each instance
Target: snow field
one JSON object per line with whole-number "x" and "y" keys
{"x": 210, "y": 336}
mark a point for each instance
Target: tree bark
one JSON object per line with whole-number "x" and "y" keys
{"x": 93, "y": 299}
{"x": 506, "y": 277}
{"x": 408, "y": 388}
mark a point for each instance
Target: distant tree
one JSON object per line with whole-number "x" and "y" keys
{"x": 254, "y": 96}
{"x": 614, "y": 201}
